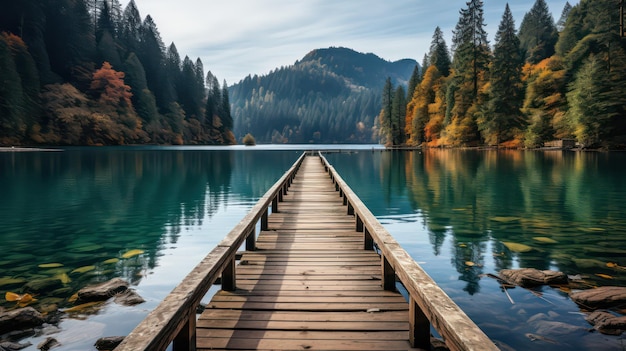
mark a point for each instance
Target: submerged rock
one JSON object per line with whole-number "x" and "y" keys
{"x": 108, "y": 343}
{"x": 22, "y": 318}
{"x": 607, "y": 323}
{"x": 45, "y": 284}
{"x": 528, "y": 277}
{"x": 13, "y": 346}
{"x": 129, "y": 298}
{"x": 605, "y": 296}
{"x": 48, "y": 344}
{"x": 102, "y": 291}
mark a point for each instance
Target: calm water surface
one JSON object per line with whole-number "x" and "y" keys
{"x": 83, "y": 207}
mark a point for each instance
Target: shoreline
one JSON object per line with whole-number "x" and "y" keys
{"x": 25, "y": 149}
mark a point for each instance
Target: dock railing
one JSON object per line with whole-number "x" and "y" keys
{"x": 173, "y": 321}
{"x": 428, "y": 304}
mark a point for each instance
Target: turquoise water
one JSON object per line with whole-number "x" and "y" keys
{"x": 451, "y": 207}
{"x": 83, "y": 207}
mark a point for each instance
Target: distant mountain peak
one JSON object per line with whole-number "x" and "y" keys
{"x": 331, "y": 95}
{"x": 364, "y": 69}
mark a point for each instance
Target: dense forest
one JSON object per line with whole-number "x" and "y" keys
{"x": 330, "y": 96}
{"x": 545, "y": 82}
{"x": 87, "y": 72}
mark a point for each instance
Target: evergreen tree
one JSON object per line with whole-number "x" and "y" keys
{"x": 502, "y": 115}
{"x": 471, "y": 47}
{"x": 424, "y": 66}
{"x": 12, "y": 128}
{"x": 105, "y": 22}
{"x": 398, "y": 114}
{"x": 574, "y": 30}
{"x": 142, "y": 97}
{"x": 439, "y": 55}
{"x": 538, "y": 34}
{"x": 107, "y": 50}
{"x": 29, "y": 79}
{"x": 227, "y": 118}
{"x": 471, "y": 59}
{"x": 560, "y": 24}
{"x": 190, "y": 94}
{"x": 414, "y": 80}
{"x": 589, "y": 111}
{"x": 172, "y": 72}
{"x": 69, "y": 41}
{"x": 151, "y": 55}
{"x": 213, "y": 98}
{"x": 385, "y": 114}
{"x": 131, "y": 28}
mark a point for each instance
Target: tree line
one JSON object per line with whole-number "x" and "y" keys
{"x": 551, "y": 80}
{"x": 87, "y": 72}
{"x": 330, "y": 96}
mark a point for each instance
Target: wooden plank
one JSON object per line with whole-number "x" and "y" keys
{"x": 309, "y": 284}
{"x": 246, "y": 315}
{"x": 299, "y": 344}
{"x": 305, "y": 325}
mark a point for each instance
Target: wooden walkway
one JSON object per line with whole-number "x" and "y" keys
{"x": 309, "y": 285}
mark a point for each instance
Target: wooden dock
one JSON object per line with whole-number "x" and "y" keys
{"x": 321, "y": 275}
{"x": 309, "y": 285}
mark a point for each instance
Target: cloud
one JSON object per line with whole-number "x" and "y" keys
{"x": 239, "y": 37}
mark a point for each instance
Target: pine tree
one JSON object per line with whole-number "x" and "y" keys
{"x": 424, "y": 66}
{"x": 439, "y": 55}
{"x": 414, "y": 80}
{"x": 12, "y": 127}
{"x": 69, "y": 41}
{"x": 142, "y": 98}
{"x": 502, "y": 115}
{"x": 398, "y": 114}
{"x": 190, "y": 94}
{"x": 471, "y": 60}
{"x": 560, "y": 24}
{"x": 471, "y": 47}
{"x": 589, "y": 111}
{"x": 227, "y": 118}
{"x": 152, "y": 57}
{"x": 385, "y": 116}
{"x": 538, "y": 34}
{"x": 131, "y": 28}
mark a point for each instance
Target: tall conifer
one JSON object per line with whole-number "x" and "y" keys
{"x": 502, "y": 114}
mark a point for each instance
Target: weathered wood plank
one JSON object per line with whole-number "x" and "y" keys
{"x": 309, "y": 280}
{"x": 251, "y": 315}
{"x": 300, "y": 344}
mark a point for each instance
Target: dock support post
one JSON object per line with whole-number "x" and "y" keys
{"x": 389, "y": 275}
{"x": 264, "y": 221}
{"x": 419, "y": 327}
{"x": 368, "y": 241}
{"x": 251, "y": 239}
{"x": 229, "y": 279}
{"x": 275, "y": 205}
{"x": 350, "y": 208}
{"x": 186, "y": 338}
{"x": 359, "y": 224}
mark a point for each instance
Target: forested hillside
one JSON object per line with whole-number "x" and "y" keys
{"x": 330, "y": 96}
{"x": 549, "y": 80}
{"x": 87, "y": 72}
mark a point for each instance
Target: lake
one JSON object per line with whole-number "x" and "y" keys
{"x": 72, "y": 215}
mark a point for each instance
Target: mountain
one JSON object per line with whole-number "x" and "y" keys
{"x": 330, "y": 96}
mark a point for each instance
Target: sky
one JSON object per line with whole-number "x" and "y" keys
{"x": 234, "y": 38}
